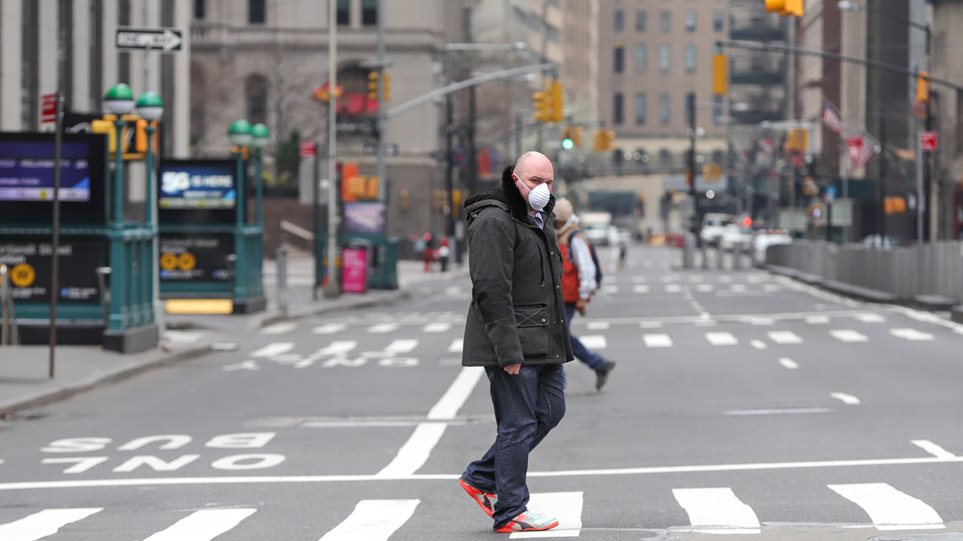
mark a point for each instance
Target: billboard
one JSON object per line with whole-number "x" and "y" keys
{"x": 202, "y": 257}
{"x": 29, "y": 260}
{"x": 197, "y": 190}
{"x": 364, "y": 217}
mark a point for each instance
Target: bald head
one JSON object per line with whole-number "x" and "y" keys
{"x": 532, "y": 161}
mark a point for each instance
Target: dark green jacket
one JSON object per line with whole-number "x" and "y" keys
{"x": 516, "y": 313}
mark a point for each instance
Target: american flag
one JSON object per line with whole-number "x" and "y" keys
{"x": 860, "y": 150}
{"x": 831, "y": 118}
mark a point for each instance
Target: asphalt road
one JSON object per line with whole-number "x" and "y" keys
{"x": 743, "y": 404}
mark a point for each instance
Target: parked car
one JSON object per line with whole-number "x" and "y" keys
{"x": 879, "y": 242}
{"x": 596, "y": 225}
{"x": 735, "y": 236}
{"x": 713, "y": 225}
{"x": 763, "y": 239}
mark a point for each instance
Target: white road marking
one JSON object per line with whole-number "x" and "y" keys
{"x": 817, "y": 320}
{"x": 382, "y": 328}
{"x": 402, "y": 345}
{"x": 760, "y": 321}
{"x": 594, "y": 341}
{"x": 927, "y": 317}
{"x": 848, "y": 335}
{"x": 717, "y": 510}
{"x": 183, "y": 337}
{"x": 43, "y": 524}
{"x": 758, "y": 344}
{"x": 565, "y": 506}
{"x": 845, "y": 398}
{"x": 273, "y": 349}
{"x": 789, "y": 364}
{"x": 415, "y": 452}
{"x": 338, "y": 347}
{"x": 738, "y": 288}
{"x": 639, "y": 279}
{"x": 436, "y": 327}
{"x": 597, "y": 325}
{"x": 777, "y": 411}
{"x": 203, "y": 525}
{"x": 771, "y": 288}
{"x": 612, "y": 289}
{"x": 453, "y": 291}
{"x": 640, "y": 288}
{"x": 889, "y": 508}
{"x": 704, "y": 288}
{"x": 280, "y": 328}
{"x": 911, "y": 334}
{"x": 721, "y": 339}
{"x": 245, "y": 365}
{"x": 448, "y": 405}
{"x": 785, "y": 337}
{"x": 373, "y": 520}
{"x": 650, "y": 325}
{"x": 695, "y": 278}
{"x": 457, "y": 345}
{"x": 870, "y": 318}
{"x": 329, "y": 328}
{"x": 657, "y": 340}
{"x": 673, "y": 288}
{"x": 933, "y": 449}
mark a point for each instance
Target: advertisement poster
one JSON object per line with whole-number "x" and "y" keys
{"x": 29, "y": 262}
{"x": 195, "y": 257}
{"x": 196, "y": 184}
{"x": 364, "y": 217}
{"x": 27, "y": 171}
{"x": 354, "y": 270}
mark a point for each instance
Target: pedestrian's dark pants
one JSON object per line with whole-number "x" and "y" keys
{"x": 582, "y": 353}
{"x": 527, "y": 406}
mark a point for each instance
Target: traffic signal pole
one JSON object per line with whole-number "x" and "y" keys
{"x": 690, "y": 106}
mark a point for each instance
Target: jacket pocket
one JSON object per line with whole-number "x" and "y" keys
{"x": 532, "y": 323}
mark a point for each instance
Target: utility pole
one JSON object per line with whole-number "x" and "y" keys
{"x": 690, "y": 105}
{"x": 380, "y": 123}
{"x": 333, "y": 289}
{"x": 880, "y": 208}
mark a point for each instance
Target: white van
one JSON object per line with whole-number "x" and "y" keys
{"x": 713, "y": 226}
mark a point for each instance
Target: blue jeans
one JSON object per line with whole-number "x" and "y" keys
{"x": 527, "y": 406}
{"x": 582, "y": 353}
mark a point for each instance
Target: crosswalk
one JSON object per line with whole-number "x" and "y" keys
{"x": 708, "y": 510}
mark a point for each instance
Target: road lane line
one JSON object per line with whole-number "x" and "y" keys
{"x": 933, "y": 449}
{"x": 597, "y": 325}
{"x": 280, "y": 328}
{"x": 273, "y": 349}
{"x": 817, "y": 320}
{"x": 845, "y": 398}
{"x": 329, "y": 328}
{"x": 612, "y": 290}
{"x": 911, "y": 334}
{"x": 721, "y": 339}
{"x": 848, "y": 335}
{"x": 789, "y": 364}
{"x": 373, "y": 520}
{"x": 657, "y": 340}
{"x": 717, "y": 511}
{"x": 758, "y": 344}
{"x": 565, "y": 506}
{"x": 402, "y": 345}
{"x": 777, "y": 411}
{"x": 457, "y": 345}
{"x": 203, "y": 525}
{"x": 594, "y": 341}
{"x": 436, "y": 327}
{"x": 889, "y": 508}
{"x": 43, "y": 524}
{"x": 640, "y": 288}
{"x": 650, "y": 325}
{"x": 415, "y": 452}
{"x": 785, "y": 337}
{"x": 458, "y": 392}
{"x": 338, "y": 347}
{"x": 673, "y": 288}
{"x": 382, "y": 328}
{"x": 870, "y": 318}
{"x": 704, "y": 288}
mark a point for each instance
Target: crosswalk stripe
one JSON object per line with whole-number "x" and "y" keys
{"x": 738, "y": 288}
{"x": 870, "y": 318}
{"x": 657, "y": 340}
{"x": 457, "y": 345}
{"x": 640, "y": 288}
{"x": 203, "y": 525}
{"x": 373, "y": 520}
{"x": 911, "y": 334}
{"x": 44, "y": 523}
{"x": 382, "y": 328}
{"x": 889, "y": 508}
{"x": 436, "y": 327}
{"x": 338, "y": 347}
{"x": 565, "y": 506}
{"x": 415, "y": 452}
{"x": 273, "y": 349}
{"x": 788, "y": 364}
{"x": 280, "y": 328}
{"x": 817, "y": 320}
{"x": 717, "y": 510}
{"x": 704, "y": 288}
{"x": 673, "y": 288}
{"x": 785, "y": 337}
{"x": 597, "y": 325}
{"x": 758, "y": 344}
{"x": 329, "y": 328}
{"x": 848, "y": 335}
{"x": 594, "y": 341}
{"x": 721, "y": 339}
{"x": 402, "y": 345}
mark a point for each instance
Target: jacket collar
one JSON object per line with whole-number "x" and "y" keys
{"x": 507, "y": 197}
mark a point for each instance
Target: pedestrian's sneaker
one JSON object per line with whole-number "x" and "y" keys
{"x": 528, "y": 522}
{"x": 484, "y": 499}
{"x": 602, "y": 374}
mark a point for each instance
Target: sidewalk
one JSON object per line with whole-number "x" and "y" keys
{"x": 23, "y": 369}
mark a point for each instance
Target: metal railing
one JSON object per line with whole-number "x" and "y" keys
{"x": 934, "y": 268}
{"x": 8, "y": 316}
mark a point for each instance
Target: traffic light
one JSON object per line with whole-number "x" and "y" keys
{"x": 720, "y": 74}
{"x": 797, "y": 139}
{"x": 372, "y": 85}
{"x": 571, "y": 137}
{"x": 923, "y": 87}
{"x": 556, "y": 101}
{"x": 794, "y": 8}
{"x": 603, "y": 140}
{"x": 540, "y": 106}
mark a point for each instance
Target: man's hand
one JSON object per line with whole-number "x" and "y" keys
{"x": 513, "y": 369}
{"x": 581, "y": 305}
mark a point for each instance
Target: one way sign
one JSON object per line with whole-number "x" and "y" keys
{"x": 161, "y": 39}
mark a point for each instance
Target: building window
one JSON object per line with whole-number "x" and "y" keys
{"x": 665, "y": 116}
{"x": 369, "y": 12}
{"x": 255, "y": 89}
{"x": 665, "y": 158}
{"x": 200, "y": 9}
{"x": 344, "y": 12}
{"x": 665, "y": 21}
{"x": 690, "y": 21}
{"x": 641, "y": 109}
{"x": 618, "y": 59}
{"x": 256, "y": 13}
{"x": 665, "y": 58}
{"x": 618, "y": 21}
{"x": 29, "y": 64}
{"x": 718, "y": 21}
{"x": 717, "y": 110}
{"x": 641, "y": 58}
{"x": 618, "y": 109}
{"x": 96, "y": 81}
{"x": 718, "y": 156}
{"x": 690, "y": 58}
{"x": 123, "y": 58}
{"x": 641, "y": 20}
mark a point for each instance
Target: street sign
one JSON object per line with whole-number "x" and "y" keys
{"x": 388, "y": 149}
{"x": 161, "y": 39}
{"x": 928, "y": 141}
{"x": 48, "y": 108}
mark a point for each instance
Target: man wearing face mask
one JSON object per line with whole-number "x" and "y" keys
{"x": 516, "y": 330}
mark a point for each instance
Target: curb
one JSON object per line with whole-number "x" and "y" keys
{"x": 933, "y": 303}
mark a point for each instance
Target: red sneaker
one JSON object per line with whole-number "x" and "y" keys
{"x": 486, "y": 500}
{"x": 528, "y": 522}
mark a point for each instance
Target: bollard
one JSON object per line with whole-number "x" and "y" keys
{"x": 688, "y": 251}
{"x": 705, "y": 257}
{"x": 281, "y": 262}
{"x": 737, "y": 256}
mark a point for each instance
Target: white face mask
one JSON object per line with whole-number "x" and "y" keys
{"x": 537, "y": 197}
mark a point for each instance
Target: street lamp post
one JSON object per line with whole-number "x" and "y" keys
{"x": 261, "y": 137}
{"x": 150, "y": 107}
{"x": 240, "y": 136}
{"x": 119, "y": 101}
